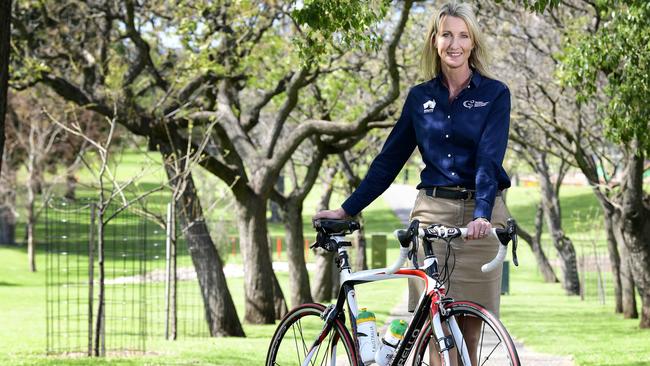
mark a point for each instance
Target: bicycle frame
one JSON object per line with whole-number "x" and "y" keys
{"x": 429, "y": 307}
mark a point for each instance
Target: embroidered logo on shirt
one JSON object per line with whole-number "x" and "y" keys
{"x": 428, "y": 106}
{"x": 469, "y": 104}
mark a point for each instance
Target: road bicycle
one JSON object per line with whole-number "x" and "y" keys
{"x": 314, "y": 334}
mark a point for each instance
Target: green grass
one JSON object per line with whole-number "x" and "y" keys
{"x": 536, "y": 313}
{"x": 22, "y": 318}
{"x": 544, "y": 318}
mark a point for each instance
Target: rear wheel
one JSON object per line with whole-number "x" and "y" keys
{"x": 494, "y": 346}
{"x": 296, "y": 333}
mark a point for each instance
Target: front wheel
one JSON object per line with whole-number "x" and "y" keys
{"x": 494, "y": 346}
{"x": 299, "y": 329}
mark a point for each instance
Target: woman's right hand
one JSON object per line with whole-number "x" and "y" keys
{"x": 339, "y": 213}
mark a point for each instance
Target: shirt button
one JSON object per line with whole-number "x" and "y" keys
{"x": 448, "y": 116}
{"x": 449, "y": 155}
{"x": 452, "y": 173}
{"x": 446, "y": 136}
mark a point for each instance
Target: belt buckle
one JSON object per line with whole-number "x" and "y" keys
{"x": 468, "y": 194}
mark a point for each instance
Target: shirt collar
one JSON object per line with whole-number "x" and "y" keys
{"x": 474, "y": 82}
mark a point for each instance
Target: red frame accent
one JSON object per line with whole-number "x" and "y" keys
{"x": 433, "y": 294}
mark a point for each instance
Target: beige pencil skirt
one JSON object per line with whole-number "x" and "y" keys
{"x": 467, "y": 282}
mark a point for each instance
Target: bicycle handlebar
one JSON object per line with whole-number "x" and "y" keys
{"x": 433, "y": 232}
{"x": 330, "y": 235}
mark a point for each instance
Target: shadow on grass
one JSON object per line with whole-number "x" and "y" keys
{"x": 8, "y": 284}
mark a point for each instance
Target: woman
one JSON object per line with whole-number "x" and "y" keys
{"x": 459, "y": 121}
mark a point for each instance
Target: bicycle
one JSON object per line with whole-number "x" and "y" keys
{"x": 311, "y": 328}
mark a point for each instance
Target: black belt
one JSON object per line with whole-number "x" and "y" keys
{"x": 454, "y": 194}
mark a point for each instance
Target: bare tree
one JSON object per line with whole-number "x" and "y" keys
{"x": 5, "y": 46}
{"x": 39, "y": 147}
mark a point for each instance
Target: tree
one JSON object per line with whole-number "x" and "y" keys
{"x": 162, "y": 91}
{"x": 571, "y": 126}
{"x": 41, "y": 148}
{"x": 605, "y": 53}
{"x": 5, "y": 45}
{"x": 531, "y": 42}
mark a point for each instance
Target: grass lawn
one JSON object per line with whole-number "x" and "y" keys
{"x": 536, "y": 313}
{"x": 22, "y": 320}
{"x": 545, "y": 319}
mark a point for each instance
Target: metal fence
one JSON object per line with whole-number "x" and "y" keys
{"x": 136, "y": 264}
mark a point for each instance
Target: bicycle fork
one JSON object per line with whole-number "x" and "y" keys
{"x": 443, "y": 341}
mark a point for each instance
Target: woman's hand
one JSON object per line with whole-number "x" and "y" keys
{"x": 478, "y": 229}
{"x": 339, "y": 213}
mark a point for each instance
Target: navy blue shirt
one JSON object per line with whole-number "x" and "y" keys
{"x": 462, "y": 143}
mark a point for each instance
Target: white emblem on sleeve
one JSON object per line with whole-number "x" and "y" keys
{"x": 429, "y": 105}
{"x": 469, "y": 104}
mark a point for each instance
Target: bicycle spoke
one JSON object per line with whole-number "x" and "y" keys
{"x": 496, "y": 346}
{"x": 295, "y": 341}
{"x": 490, "y": 354}
{"x": 325, "y": 354}
{"x": 305, "y": 326}
{"x": 315, "y": 357}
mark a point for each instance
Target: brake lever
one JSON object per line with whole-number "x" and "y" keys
{"x": 512, "y": 231}
{"x": 413, "y": 230}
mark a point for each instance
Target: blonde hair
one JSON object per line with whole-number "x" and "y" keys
{"x": 479, "y": 57}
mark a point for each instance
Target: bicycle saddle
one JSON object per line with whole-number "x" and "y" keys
{"x": 335, "y": 227}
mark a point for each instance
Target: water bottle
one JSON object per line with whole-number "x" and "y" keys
{"x": 367, "y": 335}
{"x": 391, "y": 340}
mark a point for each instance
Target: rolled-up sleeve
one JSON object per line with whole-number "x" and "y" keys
{"x": 490, "y": 153}
{"x": 382, "y": 172}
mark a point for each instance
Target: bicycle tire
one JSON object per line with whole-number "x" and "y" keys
{"x": 290, "y": 341}
{"x": 495, "y": 345}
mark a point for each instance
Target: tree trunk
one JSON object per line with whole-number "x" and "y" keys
{"x": 323, "y": 285}
{"x": 635, "y": 219}
{"x": 360, "y": 261}
{"x": 298, "y": 275}
{"x": 628, "y": 293}
{"x": 7, "y": 225}
{"x": 31, "y": 250}
{"x": 322, "y": 289}
{"x": 535, "y": 245}
{"x": 5, "y": 37}
{"x": 100, "y": 318}
{"x": 274, "y": 207}
{"x": 260, "y": 290}
{"x": 328, "y": 188}
{"x": 279, "y": 303}
{"x": 562, "y": 243}
{"x": 610, "y": 216}
{"x": 220, "y": 313}
{"x": 70, "y": 187}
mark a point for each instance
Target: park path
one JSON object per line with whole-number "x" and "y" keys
{"x": 400, "y": 198}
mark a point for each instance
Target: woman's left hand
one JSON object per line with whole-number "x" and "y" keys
{"x": 478, "y": 229}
